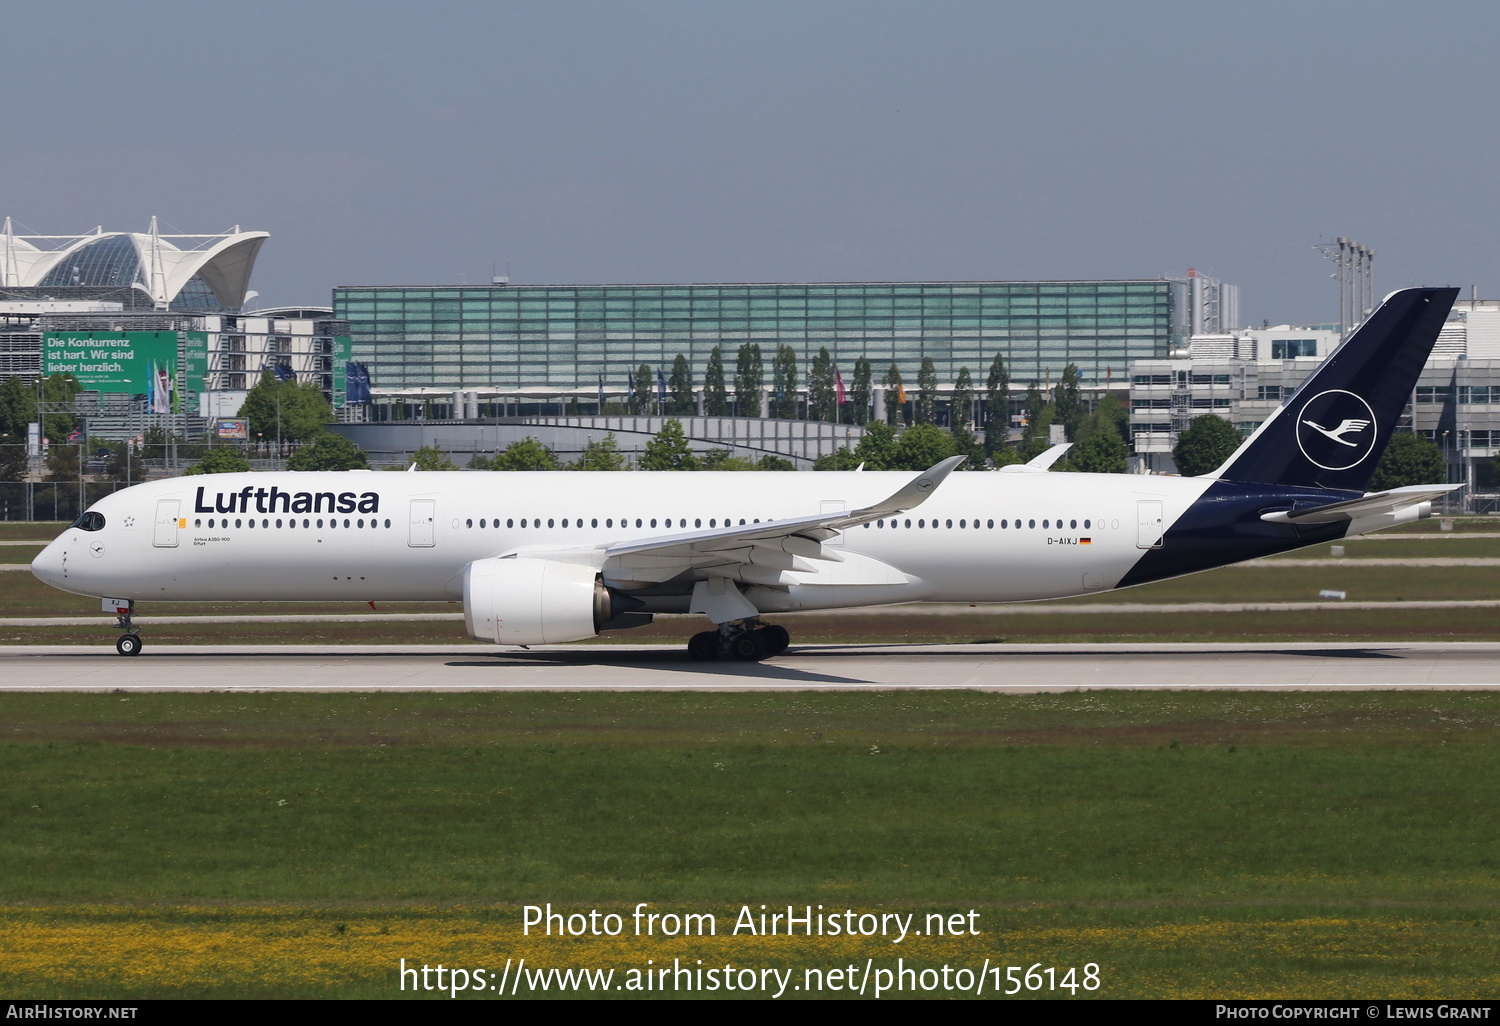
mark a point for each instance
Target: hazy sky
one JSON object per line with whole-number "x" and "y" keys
{"x": 426, "y": 143}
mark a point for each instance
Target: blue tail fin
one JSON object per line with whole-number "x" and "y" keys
{"x": 1332, "y": 431}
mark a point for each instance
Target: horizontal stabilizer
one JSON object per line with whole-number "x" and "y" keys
{"x": 1368, "y": 506}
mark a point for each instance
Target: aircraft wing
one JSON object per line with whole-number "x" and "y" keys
{"x": 1369, "y": 505}
{"x": 759, "y": 553}
{"x": 753, "y": 553}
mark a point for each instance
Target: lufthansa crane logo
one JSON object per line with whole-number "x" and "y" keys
{"x": 1336, "y": 430}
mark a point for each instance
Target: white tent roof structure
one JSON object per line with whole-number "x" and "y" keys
{"x": 160, "y": 266}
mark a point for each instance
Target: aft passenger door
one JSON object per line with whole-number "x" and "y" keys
{"x": 166, "y": 523}
{"x": 423, "y": 521}
{"x": 1149, "y": 526}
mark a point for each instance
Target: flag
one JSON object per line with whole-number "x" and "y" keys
{"x": 601, "y": 393}
{"x": 900, "y": 392}
{"x": 661, "y": 387}
{"x": 838, "y": 385}
{"x": 356, "y": 382}
{"x": 283, "y": 371}
{"x": 158, "y": 388}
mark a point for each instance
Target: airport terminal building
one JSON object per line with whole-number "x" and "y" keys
{"x": 152, "y": 324}
{"x": 542, "y": 343}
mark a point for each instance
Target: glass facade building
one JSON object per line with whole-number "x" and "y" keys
{"x": 566, "y": 339}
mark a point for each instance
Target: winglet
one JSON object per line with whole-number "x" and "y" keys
{"x": 1045, "y": 459}
{"x": 917, "y": 490}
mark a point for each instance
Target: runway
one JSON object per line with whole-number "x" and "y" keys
{"x": 1003, "y": 668}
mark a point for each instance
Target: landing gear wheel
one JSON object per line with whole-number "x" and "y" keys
{"x": 128, "y": 644}
{"x": 774, "y": 639}
{"x": 747, "y": 647}
{"x": 704, "y": 647}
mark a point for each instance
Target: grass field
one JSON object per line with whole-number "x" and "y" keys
{"x": 1188, "y": 844}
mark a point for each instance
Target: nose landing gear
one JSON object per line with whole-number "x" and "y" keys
{"x": 747, "y": 640}
{"x": 128, "y": 643}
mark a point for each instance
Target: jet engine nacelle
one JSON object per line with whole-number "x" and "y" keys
{"x": 533, "y": 601}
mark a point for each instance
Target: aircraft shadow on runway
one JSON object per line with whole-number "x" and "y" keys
{"x": 666, "y": 662}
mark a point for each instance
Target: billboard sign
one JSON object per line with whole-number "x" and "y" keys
{"x": 195, "y": 360}
{"x": 233, "y": 429}
{"x": 128, "y": 362}
{"x": 343, "y": 351}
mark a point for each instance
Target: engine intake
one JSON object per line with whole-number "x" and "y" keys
{"x": 534, "y": 601}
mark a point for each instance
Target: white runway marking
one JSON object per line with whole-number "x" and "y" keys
{"x": 1007, "y": 668}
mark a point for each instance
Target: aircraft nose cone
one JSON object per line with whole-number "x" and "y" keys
{"x": 47, "y": 567}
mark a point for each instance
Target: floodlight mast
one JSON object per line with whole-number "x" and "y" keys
{"x": 1356, "y": 275}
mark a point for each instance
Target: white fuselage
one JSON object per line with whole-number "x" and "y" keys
{"x": 980, "y": 537}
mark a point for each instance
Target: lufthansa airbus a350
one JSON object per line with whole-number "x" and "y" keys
{"x": 556, "y": 557}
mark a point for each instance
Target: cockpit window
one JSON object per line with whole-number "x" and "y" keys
{"x": 90, "y": 521}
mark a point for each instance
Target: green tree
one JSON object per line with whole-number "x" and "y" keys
{"x": 669, "y": 450}
{"x": 17, "y": 407}
{"x": 840, "y": 459}
{"x": 1409, "y": 459}
{"x": 877, "y": 449}
{"x": 642, "y": 391}
{"x": 222, "y": 459}
{"x": 822, "y": 390}
{"x": 769, "y": 462}
{"x": 430, "y": 457}
{"x": 680, "y": 389}
{"x": 961, "y": 411}
{"x": 1031, "y": 448}
{"x": 328, "y": 451}
{"x": 784, "y": 383}
{"x": 860, "y": 391}
{"x": 13, "y": 461}
{"x": 125, "y": 462}
{"x": 59, "y": 391}
{"x": 1006, "y": 456}
{"x": 894, "y": 395}
{"x": 749, "y": 381}
{"x": 63, "y": 462}
{"x": 921, "y": 446}
{"x": 1108, "y": 414}
{"x": 1204, "y": 445}
{"x": 602, "y": 455}
{"x": 961, "y": 419}
{"x": 525, "y": 454}
{"x": 715, "y": 395}
{"x": 1103, "y": 452}
{"x": 996, "y": 405}
{"x": 1067, "y": 399}
{"x": 720, "y": 459}
{"x": 925, "y": 411}
{"x": 290, "y": 410}
{"x": 1039, "y": 414}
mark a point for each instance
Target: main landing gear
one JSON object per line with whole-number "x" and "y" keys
{"x": 747, "y": 640}
{"x": 129, "y": 643}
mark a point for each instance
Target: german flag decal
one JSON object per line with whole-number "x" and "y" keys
{"x": 1085, "y": 541}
